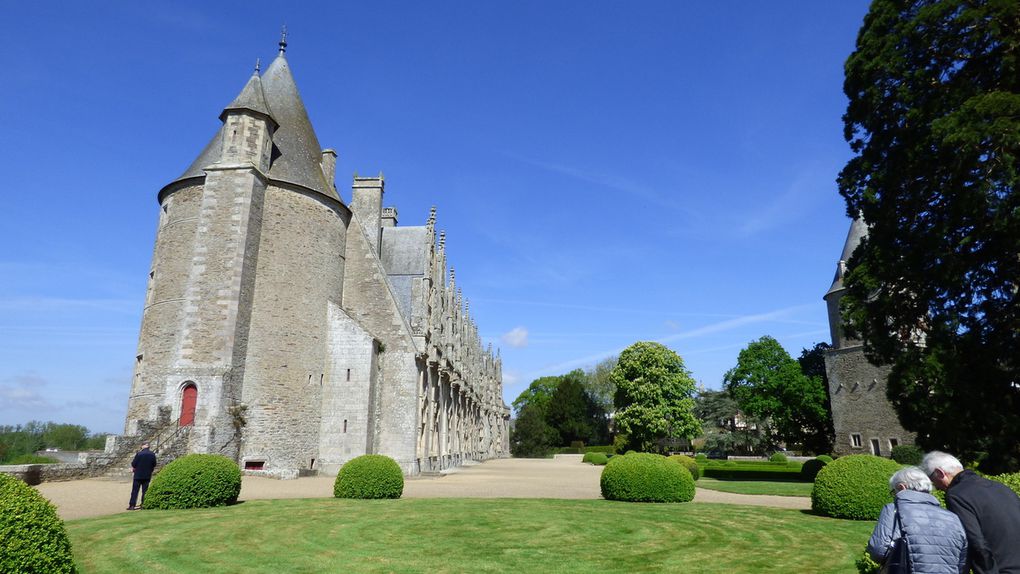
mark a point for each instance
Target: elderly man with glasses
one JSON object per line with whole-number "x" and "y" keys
{"x": 989, "y": 511}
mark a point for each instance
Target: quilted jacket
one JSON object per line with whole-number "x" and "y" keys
{"x": 936, "y": 541}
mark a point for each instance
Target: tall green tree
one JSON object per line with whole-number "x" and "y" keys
{"x": 654, "y": 396}
{"x": 768, "y": 383}
{"x": 574, "y": 414}
{"x": 532, "y": 436}
{"x": 934, "y": 121}
{"x": 538, "y": 394}
{"x": 600, "y": 383}
{"x": 719, "y": 415}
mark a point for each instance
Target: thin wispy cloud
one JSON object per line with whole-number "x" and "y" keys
{"x": 21, "y": 392}
{"x": 711, "y": 329}
{"x": 785, "y": 208}
{"x": 615, "y": 183}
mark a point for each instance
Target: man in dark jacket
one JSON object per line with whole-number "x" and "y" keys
{"x": 142, "y": 466}
{"x": 989, "y": 511}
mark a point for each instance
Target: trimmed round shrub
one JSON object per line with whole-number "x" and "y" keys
{"x": 907, "y": 454}
{"x": 688, "y": 463}
{"x": 195, "y": 481}
{"x": 645, "y": 477}
{"x": 810, "y": 469}
{"x": 778, "y": 457}
{"x": 369, "y": 476}
{"x": 702, "y": 457}
{"x": 854, "y": 487}
{"x": 32, "y": 536}
{"x": 825, "y": 458}
{"x": 587, "y": 457}
{"x": 599, "y": 458}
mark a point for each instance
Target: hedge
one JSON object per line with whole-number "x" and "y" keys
{"x": 907, "y": 454}
{"x": 1012, "y": 480}
{"x": 810, "y": 469}
{"x": 195, "y": 481}
{"x": 369, "y": 476}
{"x": 32, "y": 536}
{"x": 689, "y": 463}
{"x": 645, "y": 477}
{"x": 752, "y": 470}
{"x": 854, "y": 487}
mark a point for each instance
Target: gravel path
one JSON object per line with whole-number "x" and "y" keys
{"x": 562, "y": 477}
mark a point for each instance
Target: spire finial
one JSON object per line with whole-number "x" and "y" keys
{"x": 283, "y": 39}
{"x": 258, "y": 65}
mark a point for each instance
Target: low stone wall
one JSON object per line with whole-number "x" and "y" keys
{"x": 36, "y": 473}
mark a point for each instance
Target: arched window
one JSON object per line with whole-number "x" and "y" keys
{"x": 189, "y": 398}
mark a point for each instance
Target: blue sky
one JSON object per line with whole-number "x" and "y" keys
{"x": 606, "y": 172}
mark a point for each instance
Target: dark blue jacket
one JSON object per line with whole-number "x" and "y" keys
{"x": 143, "y": 464}
{"x": 990, "y": 513}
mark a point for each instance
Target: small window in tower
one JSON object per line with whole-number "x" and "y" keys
{"x": 855, "y": 440}
{"x": 345, "y": 425}
{"x": 893, "y": 443}
{"x": 139, "y": 358}
{"x": 254, "y": 464}
{"x": 348, "y": 375}
{"x": 320, "y": 378}
{"x": 875, "y": 448}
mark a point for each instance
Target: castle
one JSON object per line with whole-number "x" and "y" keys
{"x": 293, "y": 331}
{"x": 862, "y": 416}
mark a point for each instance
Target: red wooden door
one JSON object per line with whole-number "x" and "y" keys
{"x": 188, "y": 400}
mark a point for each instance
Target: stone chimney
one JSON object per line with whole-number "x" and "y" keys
{"x": 366, "y": 202}
{"x": 329, "y": 166}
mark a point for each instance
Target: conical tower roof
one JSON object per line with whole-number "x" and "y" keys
{"x": 858, "y": 231}
{"x": 251, "y": 99}
{"x": 296, "y": 153}
{"x": 300, "y": 156}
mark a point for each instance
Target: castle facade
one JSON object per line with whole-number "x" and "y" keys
{"x": 293, "y": 331}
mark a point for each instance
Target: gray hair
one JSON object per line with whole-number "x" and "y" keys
{"x": 911, "y": 477}
{"x": 935, "y": 459}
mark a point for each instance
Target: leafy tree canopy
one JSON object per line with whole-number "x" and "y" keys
{"x": 768, "y": 383}
{"x": 934, "y": 120}
{"x": 538, "y": 394}
{"x": 600, "y": 384}
{"x": 654, "y": 395}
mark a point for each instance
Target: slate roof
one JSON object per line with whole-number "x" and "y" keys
{"x": 858, "y": 231}
{"x": 297, "y": 155}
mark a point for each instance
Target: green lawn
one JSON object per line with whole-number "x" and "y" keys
{"x": 467, "y": 535}
{"x": 778, "y": 488}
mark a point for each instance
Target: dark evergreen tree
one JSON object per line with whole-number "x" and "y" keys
{"x": 934, "y": 121}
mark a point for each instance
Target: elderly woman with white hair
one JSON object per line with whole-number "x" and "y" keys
{"x": 935, "y": 540}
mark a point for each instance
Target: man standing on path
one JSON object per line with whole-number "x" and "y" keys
{"x": 989, "y": 511}
{"x": 142, "y": 465}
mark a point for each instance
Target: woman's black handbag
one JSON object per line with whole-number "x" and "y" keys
{"x": 898, "y": 559}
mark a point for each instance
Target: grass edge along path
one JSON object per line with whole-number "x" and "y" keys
{"x": 758, "y": 487}
{"x": 461, "y": 535}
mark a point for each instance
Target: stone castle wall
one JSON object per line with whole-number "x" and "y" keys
{"x": 859, "y": 405}
{"x": 301, "y": 268}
